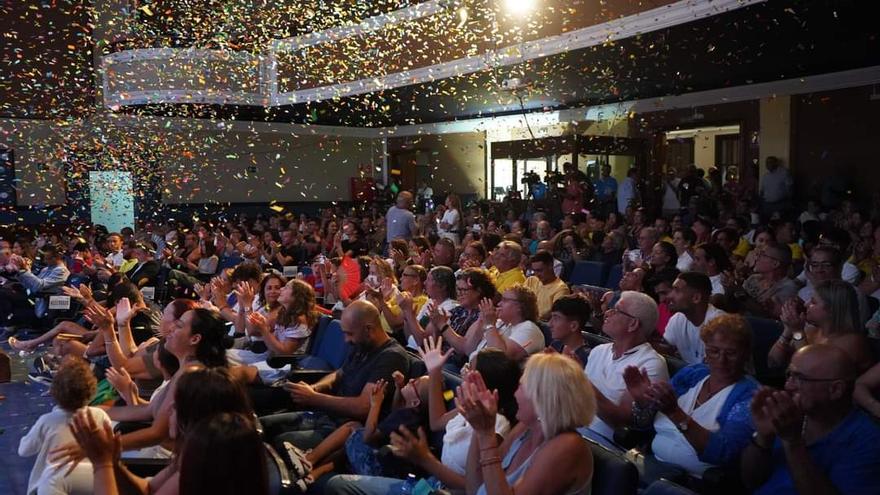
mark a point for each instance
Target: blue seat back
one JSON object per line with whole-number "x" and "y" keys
{"x": 615, "y": 273}
{"x": 229, "y": 262}
{"x": 545, "y": 329}
{"x": 587, "y": 272}
{"x": 332, "y": 347}
{"x": 612, "y": 473}
{"x": 318, "y": 333}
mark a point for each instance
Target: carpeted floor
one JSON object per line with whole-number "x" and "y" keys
{"x": 24, "y": 402}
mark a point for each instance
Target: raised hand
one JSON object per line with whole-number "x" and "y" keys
{"x": 258, "y": 321}
{"x": 432, "y": 354}
{"x": 399, "y": 380}
{"x": 122, "y": 382}
{"x": 488, "y": 315}
{"x": 219, "y": 291}
{"x": 637, "y": 383}
{"x": 786, "y": 416}
{"x": 245, "y": 295}
{"x": 69, "y": 454}
{"x": 405, "y": 302}
{"x": 761, "y": 414}
{"x": 792, "y": 315}
{"x": 99, "y": 316}
{"x": 662, "y": 394}
{"x": 408, "y": 446}
{"x": 377, "y": 393}
{"x": 73, "y": 293}
{"x": 98, "y": 442}
{"x": 438, "y": 316}
{"x": 477, "y": 403}
{"x": 124, "y": 311}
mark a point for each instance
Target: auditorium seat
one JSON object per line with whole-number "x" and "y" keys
{"x": 615, "y": 273}
{"x": 765, "y": 333}
{"x": 587, "y": 273}
{"x": 613, "y": 474}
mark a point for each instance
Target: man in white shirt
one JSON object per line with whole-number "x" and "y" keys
{"x": 683, "y": 239}
{"x": 628, "y": 190}
{"x": 689, "y": 300}
{"x": 116, "y": 257}
{"x": 628, "y": 323}
{"x": 711, "y": 260}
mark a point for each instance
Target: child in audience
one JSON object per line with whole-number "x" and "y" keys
{"x": 358, "y": 442}
{"x": 73, "y": 387}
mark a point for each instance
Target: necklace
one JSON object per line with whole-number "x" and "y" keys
{"x": 709, "y": 392}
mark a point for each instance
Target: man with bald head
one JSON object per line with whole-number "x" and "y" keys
{"x": 344, "y": 394}
{"x": 400, "y": 223}
{"x": 809, "y": 438}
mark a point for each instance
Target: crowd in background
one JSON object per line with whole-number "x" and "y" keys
{"x": 489, "y": 344}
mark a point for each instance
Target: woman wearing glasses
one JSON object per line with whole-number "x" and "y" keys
{"x": 702, "y": 415}
{"x": 510, "y": 327}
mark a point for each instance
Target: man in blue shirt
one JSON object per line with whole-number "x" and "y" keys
{"x": 810, "y": 439}
{"x": 606, "y": 188}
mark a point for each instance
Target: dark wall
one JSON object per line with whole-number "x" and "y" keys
{"x": 834, "y": 133}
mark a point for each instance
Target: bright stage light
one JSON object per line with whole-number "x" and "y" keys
{"x": 519, "y": 7}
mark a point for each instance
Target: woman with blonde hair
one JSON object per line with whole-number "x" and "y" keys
{"x": 380, "y": 288}
{"x": 543, "y": 453}
{"x": 831, "y": 317}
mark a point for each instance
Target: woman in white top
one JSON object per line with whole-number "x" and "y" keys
{"x": 702, "y": 417}
{"x": 511, "y": 327}
{"x": 450, "y": 224}
{"x": 440, "y": 288}
{"x": 289, "y": 332}
{"x": 72, "y": 388}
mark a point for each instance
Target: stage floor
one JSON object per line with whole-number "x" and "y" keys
{"x": 24, "y": 402}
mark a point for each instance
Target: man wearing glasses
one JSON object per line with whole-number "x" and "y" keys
{"x": 809, "y": 438}
{"x": 628, "y": 323}
{"x": 769, "y": 287}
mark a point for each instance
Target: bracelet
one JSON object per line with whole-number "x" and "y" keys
{"x": 110, "y": 465}
{"x": 444, "y": 328}
{"x": 488, "y": 448}
{"x": 490, "y": 461}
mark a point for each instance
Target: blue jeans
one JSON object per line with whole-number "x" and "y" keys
{"x": 352, "y": 484}
{"x": 304, "y": 429}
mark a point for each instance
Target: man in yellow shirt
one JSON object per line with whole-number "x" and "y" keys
{"x": 507, "y": 258}
{"x": 545, "y": 284}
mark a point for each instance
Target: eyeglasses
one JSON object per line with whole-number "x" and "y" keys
{"x": 820, "y": 264}
{"x": 714, "y": 353}
{"x": 611, "y": 311}
{"x": 464, "y": 289}
{"x": 801, "y": 378}
{"x": 765, "y": 255}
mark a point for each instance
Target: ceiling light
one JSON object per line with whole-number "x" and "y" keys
{"x": 519, "y": 7}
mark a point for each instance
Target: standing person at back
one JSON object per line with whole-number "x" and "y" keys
{"x": 400, "y": 221}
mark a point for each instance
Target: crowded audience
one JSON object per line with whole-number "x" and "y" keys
{"x": 457, "y": 338}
